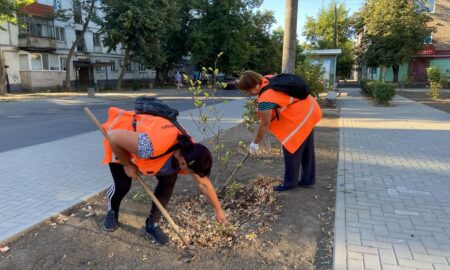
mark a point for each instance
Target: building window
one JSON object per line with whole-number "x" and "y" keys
{"x": 38, "y": 27}
{"x": 77, "y": 14}
{"x": 45, "y": 65}
{"x": 425, "y": 5}
{"x": 428, "y": 39}
{"x": 48, "y": 61}
{"x": 129, "y": 67}
{"x": 57, "y": 4}
{"x": 62, "y": 63}
{"x": 53, "y": 62}
{"x": 60, "y": 34}
{"x": 113, "y": 66}
{"x": 98, "y": 69}
{"x": 430, "y": 6}
{"x": 36, "y": 62}
{"x": 23, "y": 62}
{"x": 97, "y": 40}
{"x": 80, "y": 46}
{"x": 142, "y": 67}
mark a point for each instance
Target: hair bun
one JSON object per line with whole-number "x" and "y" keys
{"x": 185, "y": 142}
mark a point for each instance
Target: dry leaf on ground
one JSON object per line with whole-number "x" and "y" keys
{"x": 250, "y": 210}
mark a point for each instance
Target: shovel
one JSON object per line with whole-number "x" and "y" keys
{"x": 187, "y": 255}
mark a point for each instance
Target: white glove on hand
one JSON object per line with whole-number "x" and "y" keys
{"x": 253, "y": 148}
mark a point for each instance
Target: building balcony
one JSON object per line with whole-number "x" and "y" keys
{"x": 36, "y": 43}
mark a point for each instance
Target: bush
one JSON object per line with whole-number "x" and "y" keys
{"x": 135, "y": 85}
{"x": 383, "y": 92}
{"x": 250, "y": 115}
{"x": 313, "y": 74}
{"x": 366, "y": 86}
{"x": 437, "y": 80}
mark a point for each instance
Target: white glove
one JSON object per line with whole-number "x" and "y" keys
{"x": 253, "y": 148}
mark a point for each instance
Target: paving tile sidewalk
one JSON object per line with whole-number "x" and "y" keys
{"x": 40, "y": 181}
{"x": 393, "y": 194}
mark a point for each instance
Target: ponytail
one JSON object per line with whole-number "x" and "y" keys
{"x": 185, "y": 142}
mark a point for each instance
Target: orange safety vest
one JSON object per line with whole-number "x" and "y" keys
{"x": 161, "y": 132}
{"x": 296, "y": 119}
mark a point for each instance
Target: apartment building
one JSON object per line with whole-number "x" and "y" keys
{"x": 36, "y": 49}
{"x": 436, "y": 51}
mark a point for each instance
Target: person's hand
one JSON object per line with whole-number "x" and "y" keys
{"x": 131, "y": 170}
{"x": 220, "y": 216}
{"x": 253, "y": 148}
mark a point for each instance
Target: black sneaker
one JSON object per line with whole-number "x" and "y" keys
{"x": 111, "y": 222}
{"x": 155, "y": 232}
{"x": 281, "y": 188}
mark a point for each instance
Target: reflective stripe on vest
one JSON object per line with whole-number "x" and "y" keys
{"x": 300, "y": 125}
{"x": 296, "y": 118}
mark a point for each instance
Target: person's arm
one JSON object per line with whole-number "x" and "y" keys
{"x": 206, "y": 187}
{"x": 123, "y": 143}
{"x": 264, "y": 122}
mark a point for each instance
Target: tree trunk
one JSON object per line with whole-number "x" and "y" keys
{"x": 382, "y": 73}
{"x": 290, "y": 39}
{"x": 395, "y": 70}
{"x": 158, "y": 77}
{"x": 122, "y": 71}
{"x": 75, "y": 44}
{"x": 3, "y": 75}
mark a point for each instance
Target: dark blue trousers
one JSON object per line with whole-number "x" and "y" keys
{"x": 304, "y": 158}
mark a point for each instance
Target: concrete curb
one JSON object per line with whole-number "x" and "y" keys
{"x": 340, "y": 245}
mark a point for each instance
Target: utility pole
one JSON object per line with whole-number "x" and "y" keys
{"x": 290, "y": 37}
{"x": 335, "y": 26}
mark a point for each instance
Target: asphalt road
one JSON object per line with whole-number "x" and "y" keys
{"x": 31, "y": 122}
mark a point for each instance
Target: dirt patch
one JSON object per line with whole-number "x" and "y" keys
{"x": 442, "y": 104}
{"x": 300, "y": 238}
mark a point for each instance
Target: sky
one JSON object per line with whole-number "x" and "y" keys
{"x": 305, "y": 8}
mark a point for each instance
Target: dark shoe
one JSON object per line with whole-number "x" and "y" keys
{"x": 111, "y": 221}
{"x": 282, "y": 188}
{"x": 156, "y": 232}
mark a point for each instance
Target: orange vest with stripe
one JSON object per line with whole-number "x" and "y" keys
{"x": 161, "y": 132}
{"x": 296, "y": 120}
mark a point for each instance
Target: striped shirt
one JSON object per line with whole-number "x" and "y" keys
{"x": 264, "y": 106}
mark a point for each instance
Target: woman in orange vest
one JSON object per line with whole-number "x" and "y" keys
{"x": 152, "y": 145}
{"x": 292, "y": 122}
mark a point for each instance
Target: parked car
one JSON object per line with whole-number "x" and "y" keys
{"x": 232, "y": 83}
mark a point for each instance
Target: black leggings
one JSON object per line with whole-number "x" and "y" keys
{"x": 122, "y": 184}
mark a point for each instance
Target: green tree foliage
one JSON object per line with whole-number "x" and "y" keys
{"x": 8, "y": 10}
{"x": 313, "y": 73}
{"x": 266, "y": 47}
{"x": 141, "y": 27}
{"x": 392, "y": 31}
{"x": 175, "y": 41}
{"x": 319, "y": 32}
{"x": 230, "y": 27}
